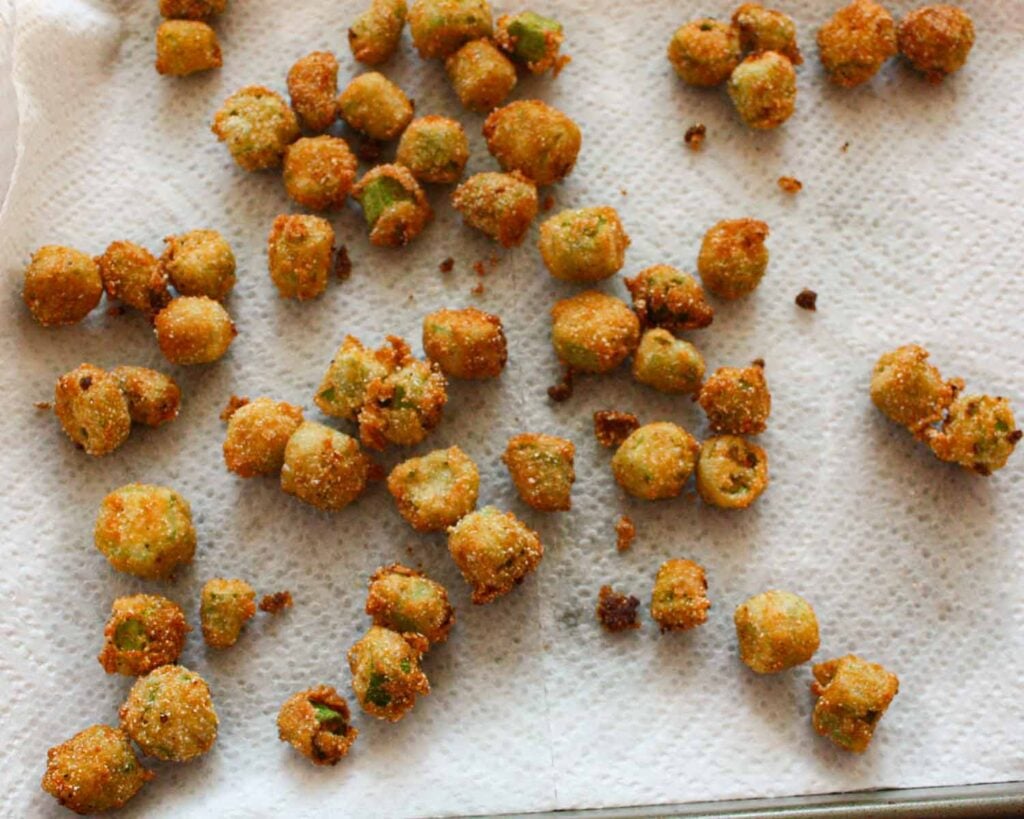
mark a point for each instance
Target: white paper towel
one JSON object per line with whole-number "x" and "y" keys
{"x": 910, "y": 235}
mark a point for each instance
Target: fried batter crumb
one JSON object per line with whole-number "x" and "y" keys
{"x": 342, "y": 263}
{"x": 845, "y": 148}
{"x": 479, "y": 290}
{"x": 790, "y": 184}
{"x": 45, "y": 406}
{"x": 548, "y": 203}
{"x": 807, "y": 299}
{"x": 624, "y": 192}
{"x": 277, "y": 602}
{"x": 447, "y": 266}
{"x": 694, "y": 137}
{"x": 625, "y": 533}
{"x": 479, "y": 269}
{"x": 235, "y": 403}
{"x": 562, "y": 391}
{"x": 611, "y": 428}
{"x": 617, "y": 612}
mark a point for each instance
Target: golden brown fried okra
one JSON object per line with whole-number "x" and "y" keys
{"x": 856, "y": 41}
{"x": 731, "y": 472}
{"x": 535, "y": 139}
{"x": 319, "y": 171}
{"x": 542, "y": 469}
{"x": 386, "y": 675}
{"x": 257, "y": 125}
{"x": 145, "y": 631}
{"x": 92, "y": 410}
{"x": 403, "y": 406}
{"x": 134, "y": 276}
{"x": 584, "y": 245}
{"x": 433, "y": 491}
{"x": 776, "y": 630}
{"x": 733, "y": 257}
{"x": 186, "y": 47}
{"x": 194, "y": 330}
{"x": 94, "y": 771}
{"x": 909, "y": 390}
{"x": 434, "y": 149}
{"x": 495, "y": 552}
{"x": 409, "y": 602}
{"x": 323, "y": 467}
{"x": 313, "y": 87}
{"x": 225, "y": 606}
{"x": 299, "y": 253}
{"x": 532, "y": 40}
{"x": 852, "y": 697}
{"x": 394, "y": 205}
{"x": 501, "y": 205}
{"x": 736, "y": 400}
{"x": 704, "y": 52}
{"x": 467, "y": 343}
{"x": 342, "y": 392}
{"x": 481, "y": 75}
{"x": 764, "y": 29}
{"x": 439, "y": 27}
{"x": 169, "y": 713}
{"x": 375, "y": 34}
{"x": 153, "y": 398}
{"x": 763, "y": 89}
{"x": 669, "y": 298}
{"x": 680, "y": 598}
{"x": 668, "y": 364}
{"x": 199, "y": 263}
{"x": 62, "y": 285}
{"x": 315, "y": 722}
{"x": 593, "y": 332}
{"x": 979, "y": 433}
{"x": 192, "y": 9}
{"x": 656, "y": 461}
{"x": 936, "y": 40}
{"x": 257, "y": 435}
{"x": 375, "y": 106}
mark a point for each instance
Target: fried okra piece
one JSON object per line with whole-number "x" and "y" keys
{"x": 394, "y": 205}
{"x": 936, "y": 40}
{"x": 342, "y": 392}
{"x": 731, "y": 472}
{"x": 776, "y": 630}
{"x": 153, "y": 398}
{"x": 439, "y": 27}
{"x": 481, "y": 75}
{"x": 704, "y": 52}
{"x": 145, "y": 530}
{"x": 386, "y": 675}
{"x": 531, "y": 40}
{"x": 853, "y": 694}
{"x": 194, "y": 330}
{"x": 495, "y": 552}
{"x": 434, "y": 149}
{"x": 666, "y": 297}
{"x": 257, "y": 125}
{"x": 316, "y": 723}
{"x": 299, "y": 253}
{"x": 133, "y": 276}
{"x": 736, "y": 400}
{"x": 584, "y": 245}
{"x": 733, "y": 257}
{"x": 409, "y": 602}
{"x": 763, "y": 89}
{"x": 501, "y": 205}
{"x": 62, "y": 285}
{"x": 94, "y": 771}
{"x": 375, "y": 106}
{"x": 192, "y": 9}
{"x": 145, "y": 631}
{"x": 764, "y": 29}
{"x": 200, "y": 263}
{"x": 319, "y": 172}
{"x": 615, "y": 611}
{"x": 186, "y": 47}
{"x": 856, "y": 41}
{"x": 668, "y": 364}
{"x": 375, "y": 34}
{"x": 313, "y": 88}
{"x": 593, "y": 332}
{"x": 542, "y": 469}
{"x": 92, "y": 410}
{"x": 170, "y": 715}
{"x": 679, "y": 600}
{"x": 656, "y": 461}
{"x": 909, "y": 390}
{"x": 257, "y": 435}
{"x": 468, "y": 344}
{"x": 979, "y": 433}
{"x": 432, "y": 492}
{"x": 403, "y": 406}
{"x": 225, "y": 607}
{"x": 535, "y": 139}
{"x": 323, "y": 467}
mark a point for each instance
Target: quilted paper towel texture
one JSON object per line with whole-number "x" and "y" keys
{"x": 908, "y": 235}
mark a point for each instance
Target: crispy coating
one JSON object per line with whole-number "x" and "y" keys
{"x": 433, "y": 491}
{"x": 979, "y": 433}
{"x": 170, "y": 715}
{"x": 386, "y": 675}
{"x": 776, "y": 630}
{"x": 763, "y": 89}
{"x": 439, "y": 27}
{"x": 611, "y": 428}
{"x": 409, "y": 602}
{"x": 145, "y": 631}
{"x": 375, "y": 34}
{"x": 186, "y": 47}
{"x": 225, "y": 606}
{"x": 316, "y": 723}
{"x": 481, "y": 75}
{"x": 323, "y": 467}
{"x": 495, "y": 552}
{"x": 764, "y": 29}
{"x": 468, "y": 343}
{"x": 532, "y": 40}
{"x": 257, "y": 125}
{"x": 679, "y": 600}
{"x": 668, "y": 364}
{"x": 153, "y": 398}
{"x": 936, "y": 40}
{"x": 94, "y": 771}
{"x": 394, "y": 205}
{"x": 790, "y": 184}
{"x": 194, "y": 330}
{"x": 733, "y": 257}
{"x": 542, "y": 469}
{"x": 342, "y": 392}
{"x": 319, "y": 171}
{"x": 731, "y": 472}
{"x": 199, "y": 263}
{"x": 434, "y": 149}
{"x": 736, "y": 400}
{"x": 192, "y": 9}
{"x": 625, "y": 533}
{"x": 300, "y": 250}
{"x": 656, "y": 461}
{"x": 585, "y": 245}
{"x": 593, "y": 332}
{"x": 62, "y": 285}
{"x": 375, "y": 106}
{"x": 403, "y": 406}
{"x": 617, "y": 612}
{"x": 909, "y": 390}
{"x": 257, "y": 435}
{"x": 666, "y": 297}
{"x": 535, "y": 139}
{"x": 134, "y": 276}
{"x": 852, "y": 697}
{"x": 145, "y": 530}
{"x": 856, "y": 41}
{"x": 704, "y": 52}
{"x": 92, "y": 410}
{"x": 276, "y": 602}
{"x": 501, "y": 205}
{"x": 313, "y": 88}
